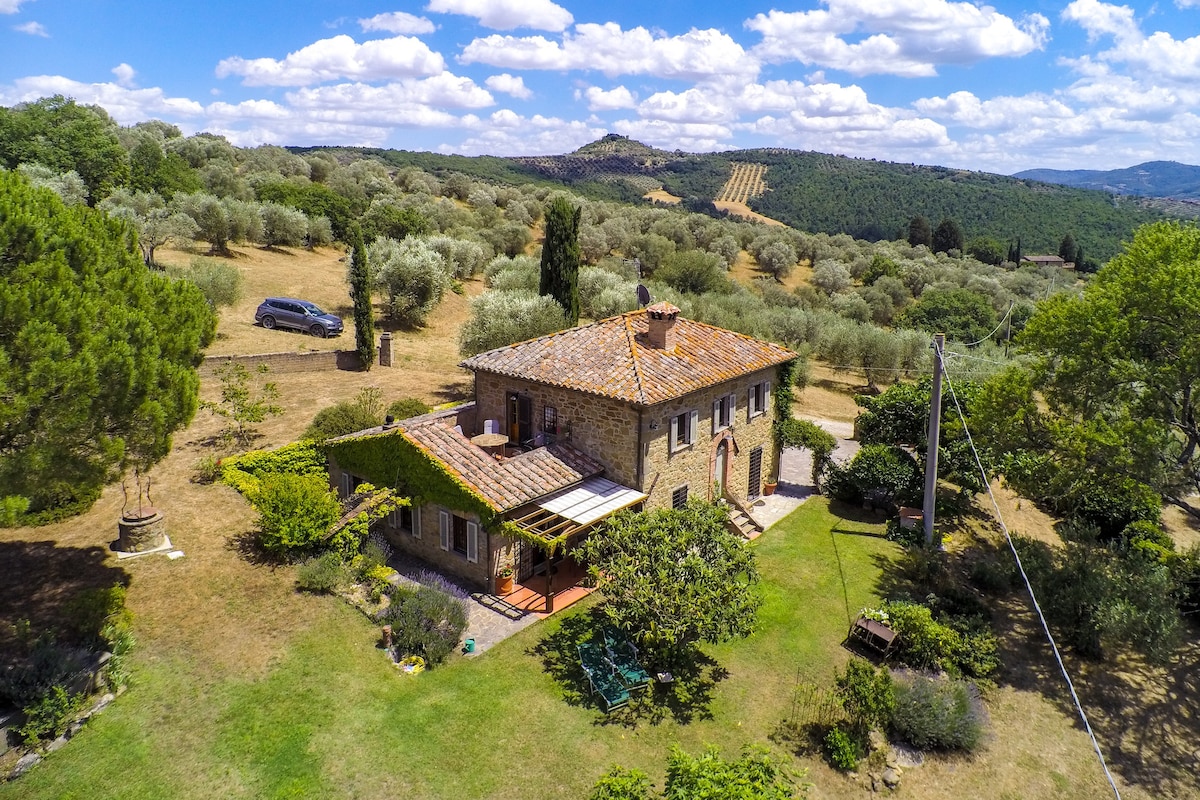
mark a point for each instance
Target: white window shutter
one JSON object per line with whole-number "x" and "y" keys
{"x": 472, "y": 542}
{"x": 444, "y": 528}
{"x": 732, "y": 409}
{"x": 416, "y": 522}
{"x": 717, "y": 421}
{"x": 345, "y": 485}
{"x": 693, "y": 426}
{"x": 674, "y": 433}
{"x": 766, "y": 401}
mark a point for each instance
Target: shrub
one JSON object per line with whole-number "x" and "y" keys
{"x": 879, "y": 474}
{"x": 12, "y": 508}
{"x": 219, "y": 282}
{"x": 348, "y": 416}
{"x": 938, "y": 715}
{"x": 324, "y": 574}
{"x": 425, "y": 622}
{"x": 407, "y": 407}
{"x": 1185, "y": 575}
{"x": 867, "y": 694}
{"x": 622, "y": 784}
{"x": 49, "y": 717}
{"x": 842, "y": 749}
{"x": 208, "y": 470}
{"x": 295, "y": 512}
{"x": 929, "y": 643}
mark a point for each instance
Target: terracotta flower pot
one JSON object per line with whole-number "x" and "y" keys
{"x": 504, "y": 585}
{"x": 769, "y": 487}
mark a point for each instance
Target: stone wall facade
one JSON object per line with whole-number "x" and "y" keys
{"x": 693, "y": 465}
{"x": 603, "y": 428}
{"x": 633, "y": 442}
{"x": 427, "y": 546}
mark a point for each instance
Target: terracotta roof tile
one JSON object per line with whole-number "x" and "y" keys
{"x": 505, "y": 484}
{"x": 613, "y": 358}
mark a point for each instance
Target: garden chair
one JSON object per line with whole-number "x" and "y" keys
{"x": 623, "y": 654}
{"x": 602, "y": 676}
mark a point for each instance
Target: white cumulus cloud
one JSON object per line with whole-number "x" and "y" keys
{"x": 509, "y": 84}
{"x": 607, "y": 48}
{"x": 1153, "y": 58}
{"x": 607, "y": 100}
{"x": 127, "y": 106}
{"x": 504, "y": 15}
{"x": 125, "y": 75}
{"x": 33, "y": 29}
{"x": 335, "y": 58}
{"x": 509, "y": 134}
{"x": 898, "y": 37}
{"x": 397, "y": 22}
{"x": 10, "y": 6}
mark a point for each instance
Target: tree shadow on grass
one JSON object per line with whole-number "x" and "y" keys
{"x": 686, "y": 698}
{"x": 42, "y": 580}
{"x": 1143, "y": 714}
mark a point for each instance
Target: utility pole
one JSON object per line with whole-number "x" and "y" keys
{"x": 935, "y": 427}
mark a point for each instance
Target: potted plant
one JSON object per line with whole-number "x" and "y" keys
{"x": 769, "y": 486}
{"x": 504, "y": 580}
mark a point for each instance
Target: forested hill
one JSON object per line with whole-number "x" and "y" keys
{"x": 1168, "y": 179}
{"x": 875, "y": 199}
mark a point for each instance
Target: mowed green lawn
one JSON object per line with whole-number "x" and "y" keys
{"x": 332, "y": 718}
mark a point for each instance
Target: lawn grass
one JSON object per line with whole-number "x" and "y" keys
{"x": 331, "y": 718}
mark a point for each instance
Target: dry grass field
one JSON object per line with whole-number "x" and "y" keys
{"x": 218, "y": 617}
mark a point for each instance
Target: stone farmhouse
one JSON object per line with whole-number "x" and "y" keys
{"x": 643, "y": 410}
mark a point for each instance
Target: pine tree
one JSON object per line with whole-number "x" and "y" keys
{"x": 561, "y": 257}
{"x": 360, "y": 293}
{"x": 98, "y": 354}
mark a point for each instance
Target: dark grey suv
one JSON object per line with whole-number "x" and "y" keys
{"x": 288, "y": 312}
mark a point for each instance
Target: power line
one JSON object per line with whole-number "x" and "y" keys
{"x": 1000, "y": 324}
{"x": 1029, "y": 587}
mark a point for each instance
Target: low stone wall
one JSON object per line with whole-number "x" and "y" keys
{"x": 319, "y": 361}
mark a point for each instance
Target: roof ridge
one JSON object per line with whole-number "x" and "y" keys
{"x": 635, "y": 355}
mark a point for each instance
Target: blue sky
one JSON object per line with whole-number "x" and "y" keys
{"x": 1081, "y": 84}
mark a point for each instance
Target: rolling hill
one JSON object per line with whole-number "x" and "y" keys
{"x": 816, "y": 192}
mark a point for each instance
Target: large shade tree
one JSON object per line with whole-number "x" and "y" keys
{"x": 63, "y": 135}
{"x": 1119, "y": 365}
{"x": 674, "y": 578}
{"x": 98, "y": 355}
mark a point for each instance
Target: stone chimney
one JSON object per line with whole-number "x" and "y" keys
{"x": 661, "y": 317}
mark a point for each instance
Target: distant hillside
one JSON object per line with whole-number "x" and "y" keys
{"x": 1168, "y": 179}
{"x": 816, "y": 192}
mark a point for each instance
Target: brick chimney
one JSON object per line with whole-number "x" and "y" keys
{"x": 661, "y": 317}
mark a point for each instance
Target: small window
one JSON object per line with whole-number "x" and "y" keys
{"x": 407, "y": 519}
{"x": 550, "y": 424}
{"x": 679, "y": 497}
{"x": 459, "y": 542}
{"x": 722, "y": 412}
{"x": 683, "y": 430}
{"x": 758, "y": 398}
{"x": 349, "y": 484}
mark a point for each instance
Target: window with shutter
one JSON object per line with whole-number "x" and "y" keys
{"x": 444, "y": 528}
{"x": 416, "y": 522}
{"x": 472, "y": 542}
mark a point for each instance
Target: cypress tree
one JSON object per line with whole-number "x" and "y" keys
{"x": 561, "y": 257}
{"x": 360, "y": 293}
{"x": 919, "y": 232}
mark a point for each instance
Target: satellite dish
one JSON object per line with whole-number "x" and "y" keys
{"x": 643, "y": 296}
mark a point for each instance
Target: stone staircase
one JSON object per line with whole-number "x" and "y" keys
{"x": 743, "y": 524}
